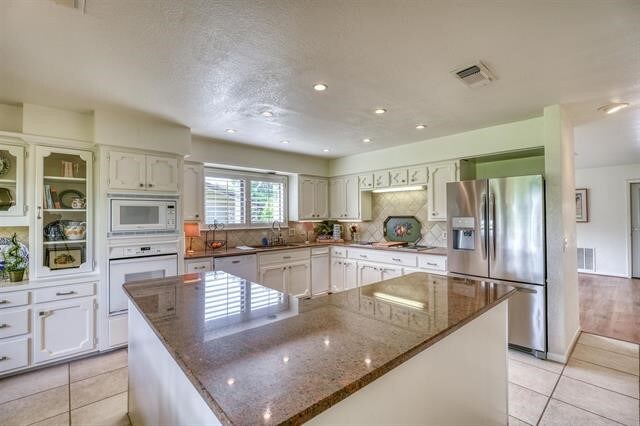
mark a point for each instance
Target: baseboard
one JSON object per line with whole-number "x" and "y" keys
{"x": 563, "y": 358}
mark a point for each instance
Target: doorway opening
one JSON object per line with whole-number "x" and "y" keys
{"x": 635, "y": 229}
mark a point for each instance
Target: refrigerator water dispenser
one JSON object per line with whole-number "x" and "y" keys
{"x": 464, "y": 229}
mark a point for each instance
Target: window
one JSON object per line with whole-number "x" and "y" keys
{"x": 244, "y": 200}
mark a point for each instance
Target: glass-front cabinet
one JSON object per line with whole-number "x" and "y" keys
{"x": 64, "y": 215}
{"x": 11, "y": 180}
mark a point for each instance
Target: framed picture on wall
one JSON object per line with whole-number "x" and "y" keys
{"x": 582, "y": 205}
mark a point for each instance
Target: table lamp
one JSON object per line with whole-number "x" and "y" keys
{"x": 191, "y": 230}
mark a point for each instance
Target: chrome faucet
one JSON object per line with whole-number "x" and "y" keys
{"x": 276, "y": 239}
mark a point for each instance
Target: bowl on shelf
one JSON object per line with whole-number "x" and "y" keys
{"x": 74, "y": 230}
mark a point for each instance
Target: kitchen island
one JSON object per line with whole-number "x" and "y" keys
{"x": 212, "y": 348}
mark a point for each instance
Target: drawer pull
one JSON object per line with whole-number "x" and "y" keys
{"x": 44, "y": 313}
{"x": 200, "y": 267}
{"x": 4, "y": 358}
{"x": 4, "y": 325}
{"x": 432, "y": 264}
{"x": 235, "y": 261}
{"x": 65, "y": 293}
{"x": 395, "y": 259}
{"x": 363, "y": 255}
{"x": 286, "y": 257}
{"x": 4, "y": 301}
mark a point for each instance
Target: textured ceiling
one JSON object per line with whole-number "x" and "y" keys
{"x": 212, "y": 65}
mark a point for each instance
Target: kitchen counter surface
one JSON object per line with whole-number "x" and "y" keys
{"x": 285, "y": 360}
{"x": 440, "y": 251}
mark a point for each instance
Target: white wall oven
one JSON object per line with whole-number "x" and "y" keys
{"x": 142, "y": 215}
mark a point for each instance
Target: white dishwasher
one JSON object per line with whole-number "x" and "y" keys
{"x": 243, "y": 266}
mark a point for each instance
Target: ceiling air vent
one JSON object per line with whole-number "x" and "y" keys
{"x": 476, "y": 75}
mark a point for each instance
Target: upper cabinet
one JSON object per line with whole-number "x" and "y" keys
{"x": 366, "y": 181}
{"x": 12, "y": 180}
{"x": 398, "y": 177}
{"x": 132, "y": 171}
{"x": 417, "y": 175}
{"x": 193, "y": 192}
{"x": 64, "y": 216}
{"x": 439, "y": 175}
{"x": 308, "y": 198}
{"x": 347, "y": 201}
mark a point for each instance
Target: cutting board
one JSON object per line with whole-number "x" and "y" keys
{"x": 390, "y": 244}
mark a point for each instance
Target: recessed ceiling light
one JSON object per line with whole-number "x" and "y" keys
{"x": 613, "y": 107}
{"x": 266, "y": 114}
{"x": 284, "y": 141}
{"x": 320, "y": 87}
{"x": 379, "y": 110}
{"x": 366, "y": 140}
{"x": 421, "y": 126}
{"x": 231, "y": 130}
{"x": 325, "y": 150}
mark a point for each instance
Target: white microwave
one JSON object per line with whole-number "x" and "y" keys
{"x": 142, "y": 215}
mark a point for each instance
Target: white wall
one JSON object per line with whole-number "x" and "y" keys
{"x": 489, "y": 140}
{"x": 222, "y": 153}
{"x": 608, "y": 228}
{"x": 45, "y": 121}
{"x": 11, "y": 118}
{"x": 562, "y": 276}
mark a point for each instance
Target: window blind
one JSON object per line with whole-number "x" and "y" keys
{"x": 267, "y": 202}
{"x": 225, "y": 200}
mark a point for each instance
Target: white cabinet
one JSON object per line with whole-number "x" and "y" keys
{"x": 417, "y": 175}
{"x": 162, "y": 174}
{"x": 245, "y": 266}
{"x": 398, "y": 177}
{"x": 308, "y": 198}
{"x": 320, "y": 271}
{"x": 344, "y": 274}
{"x": 293, "y": 279}
{"x": 63, "y": 328}
{"x": 350, "y": 274}
{"x": 381, "y": 179}
{"x": 368, "y": 273}
{"x": 347, "y": 201}
{"x": 193, "y": 192}
{"x": 439, "y": 175}
{"x": 388, "y": 272}
{"x": 366, "y": 181}
{"x": 198, "y": 265}
{"x": 127, "y": 170}
{"x": 12, "y": 180}
{"x": 132, "y": 171}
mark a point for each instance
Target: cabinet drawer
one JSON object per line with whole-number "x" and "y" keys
{"x": 199, "y": 265}
{"x": 340, "y": 252}
{"x": 64, "y": 292}
{"x": 319, "y": 250}
{"x": 384, "y": 256}
{"x": 284, "y": 256}
{"x": 14, "y": 323}
{"x": 381, "y": 179}
{"x": 430, "y": 261}
{"x": 14, "y": 354}
{"x": 19, "y": 298}
{"x": 417, "y": 175}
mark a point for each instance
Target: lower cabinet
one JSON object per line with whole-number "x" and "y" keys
{"x": 344, "y": 275}
{"x": 63, "y": 328}
{"x": 320, "y": 273}
{"x": 293, "y": 279}
{"x": 369, "y": 273}
{"x": 198, "y": 265}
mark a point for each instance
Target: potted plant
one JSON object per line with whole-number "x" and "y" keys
{"x": 324, "y": 229}
{"x": 16, "y": 260}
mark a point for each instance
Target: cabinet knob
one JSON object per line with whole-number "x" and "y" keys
{"x": 4, "y": 358}
{"x": 197, "y": 215}
{"x": 141, "y": 185}
{"x": 4, "y": 325}
{"x": 4, "y": 302}
{"x": 150, "y": 185}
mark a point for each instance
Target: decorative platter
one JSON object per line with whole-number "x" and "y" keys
{"x": 402, "y": 228}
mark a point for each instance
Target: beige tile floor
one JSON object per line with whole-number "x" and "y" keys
{"x": 598, "y": 386}
{"x": 90, "y": 391}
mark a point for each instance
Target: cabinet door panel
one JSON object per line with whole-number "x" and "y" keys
{"x": 439, "y": 175}
{"x": 322, "y": 199}
{"x": 337, "y": 276}
{"x": 127, "y": 170}
{"x": 365, "y": 181}
{"x": 193, "y": 192}
{"x": 307, "y": 195}
{"x": 337, "y": 198}
{"x": 368, "y": 274}
{"x": 381, "y": 179}
{"x": 12, "y": 180}
{"x": 162, "y": 173}
{"x": 320, "y": 274}
{"x": 417, "y": 175}
{"x": 352, "y": 198}
{"x": 299, "y": 279}
{"x": 273, "y": 277}
{"x": 398, "y": 177}
{"x": 63, "y": 328}
{"x": 350, "y": 274}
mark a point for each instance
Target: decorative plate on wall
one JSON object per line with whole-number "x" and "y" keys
{"x": 402, "y": 228}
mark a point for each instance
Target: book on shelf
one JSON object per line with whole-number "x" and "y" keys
{"x": 48, "y": 201}
{"x": 54, "y": 197}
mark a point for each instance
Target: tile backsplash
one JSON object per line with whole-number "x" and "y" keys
{"x": 407, "y": 203}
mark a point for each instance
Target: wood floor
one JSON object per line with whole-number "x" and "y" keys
{"x": 610, "y": 306}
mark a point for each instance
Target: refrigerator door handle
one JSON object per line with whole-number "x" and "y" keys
{"x": 492, "y": 224}
{"x": 483, "y": 225}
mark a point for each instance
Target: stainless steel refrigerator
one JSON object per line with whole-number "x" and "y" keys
{"x": 497, "y": 233}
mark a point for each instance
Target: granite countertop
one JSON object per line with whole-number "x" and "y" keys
{"x": 285, "y": 360}
{"x": 440, "y": 251}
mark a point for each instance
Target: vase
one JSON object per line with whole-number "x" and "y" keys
{"x": 15, "y": 276}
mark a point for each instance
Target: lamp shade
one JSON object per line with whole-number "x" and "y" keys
{"x": 191, "y": 229}
{"x": 308, "y": 226}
